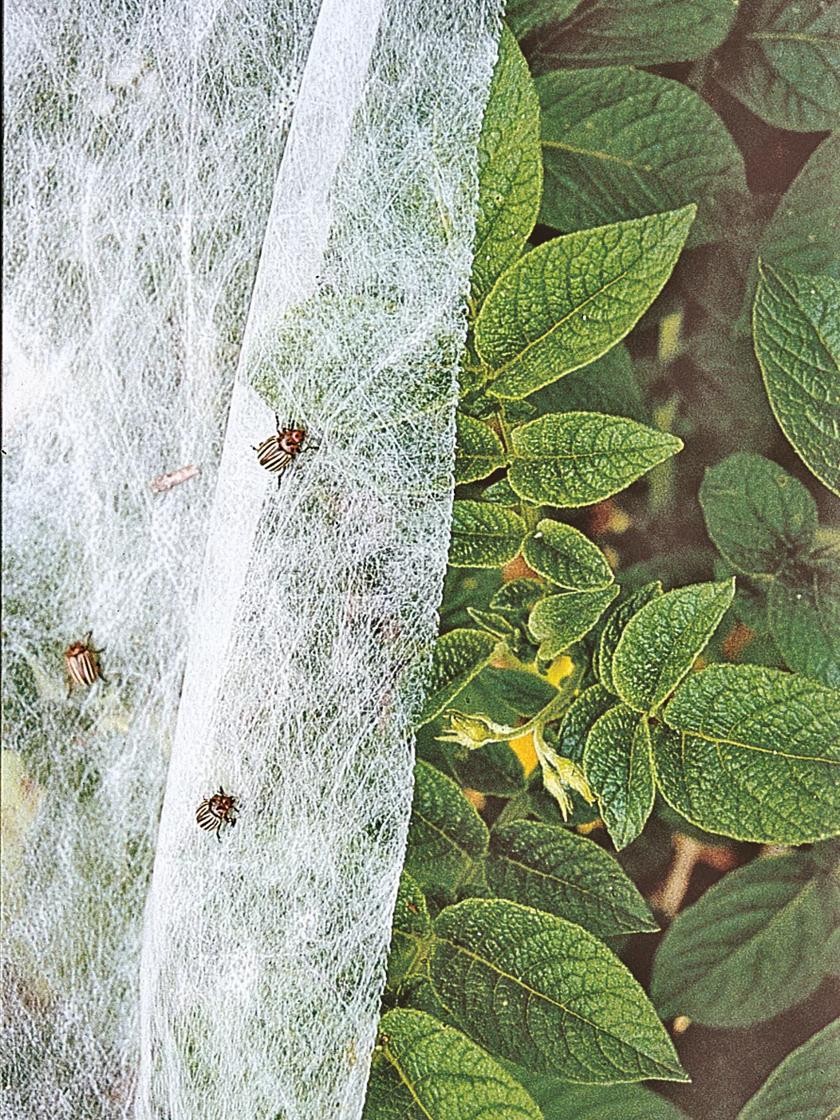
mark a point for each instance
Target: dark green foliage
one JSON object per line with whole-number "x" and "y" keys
{"x": 735, "y": 957}
{"x": 447, "y": 834}
{"x": 804, "y": 1085}
{"x": 641, "y": 621}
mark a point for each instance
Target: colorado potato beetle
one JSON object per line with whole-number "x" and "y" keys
{"x": 216, "y": 811}
{"x": 280, "y": 450}
{"x": 82, "y": 664}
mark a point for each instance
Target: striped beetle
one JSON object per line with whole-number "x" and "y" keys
{"x": 278, "y": 451}
{"x": 82, "y": 664}
{"x": 216, "y": 811}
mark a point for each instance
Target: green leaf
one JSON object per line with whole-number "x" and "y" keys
{"x": 613, "y": 628}
{"x": 559, "y": 620}
{"x": 565, "y": 557}
{"x": 492, "y": 769}
{"x": 506, "y": 695}
{"x": 411, "y": 930}
{"x": 463, "y": 587}
{"x": 578, "y": 458}
{"x": 446, "y": 835}
{"x": 501, "y": 493}
{"x": 423, "y": 1070}
{"x": 752, "y": 946}
{"x": 637, "y": 32}
{"x": 547, "y": 994}
{"x": 495, "y": 624}
{"x": 804, "y": 1085}
{"x": 755, "y": 756}
{"x": 568, "y": 301}
{"x": 579, "y": 719}
{"x": 457, "y": 657}
{"x": 478, "y": 451}
{"x": 783, "y": 62}
{"x": 525, "y": 15}
{"x": 803, "y": 610}
{"x": 796, "y": 330}
{"x": 509, "y": 168}
{"x": 617, "y": 761}
{"x": 756, "y": 513}
{"x": 561, "y": 1101}
{"x": 802, "y": 234}
{"x": 555, "y": 870}
{"x": 484, "y": 535}
{"x": 609, "y": 385}
{"x": 661, "y": 642}
{"x": 517, "y": 596}
{"x": 619, "y": 143}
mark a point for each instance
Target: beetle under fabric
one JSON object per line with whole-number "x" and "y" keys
{"x": 216, "y": 213}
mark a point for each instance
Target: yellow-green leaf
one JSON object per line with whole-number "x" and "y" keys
{"x": 423, "y": 1070}
{"x": 484, "y": 535}
{"x": 478, "y": 450}
{"x": 578, "y": 458}
{"x": 660, "y": 643}
{"x": 410, "y": 931}
{"x": 563, "y": 555}
{"x": 753, "y": 753}
{"x": 613, "y": 628}
{"x": 446, "y": 835}
{"x": 509, "y": 168}
{"x": 560, "y": 620}
{"x": 458, "y": 656}
{"x": 555, "y": 870}
{"x": 617, "y": 761}
{"x": 545, "y": 993}
{"x": 568, "y": 301}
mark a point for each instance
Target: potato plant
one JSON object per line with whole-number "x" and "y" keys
{"x": 633, "y": 719}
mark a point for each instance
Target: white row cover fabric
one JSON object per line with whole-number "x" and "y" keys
{"x": 216, "y": 212}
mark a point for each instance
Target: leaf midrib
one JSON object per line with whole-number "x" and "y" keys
{"x": 722, "y": 740}
{"x": 446, "y": 836}
{"x": 479, "y": 535}
{"x": 607, "y": 157}
{"x": 537, "y": 457}
{"x": 395, "y": 1064}
{"x": 792, "y": 37}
